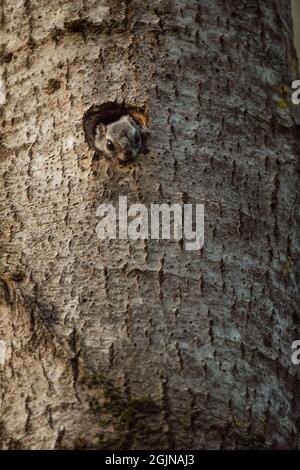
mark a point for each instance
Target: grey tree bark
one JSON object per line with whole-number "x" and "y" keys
{"x": 123, "y": 344}
{"x": 296, "y": 24}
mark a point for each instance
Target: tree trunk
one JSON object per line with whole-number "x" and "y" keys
{"x": 296, "y": 23}
{"x": 123, "y": 344}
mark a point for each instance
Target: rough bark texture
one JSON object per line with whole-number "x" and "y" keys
{"x": 296, "y": 23}
{"x": 127, "y": 344}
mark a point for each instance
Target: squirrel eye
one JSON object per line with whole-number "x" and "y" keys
{"x": 109, "y": 145}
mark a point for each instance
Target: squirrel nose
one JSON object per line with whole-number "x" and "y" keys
{"x": 127, "y": 147}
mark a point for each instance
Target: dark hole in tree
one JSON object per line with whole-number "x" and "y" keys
{"x": 107, "y": 113}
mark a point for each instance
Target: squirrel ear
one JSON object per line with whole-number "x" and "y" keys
{"x": 129, "y": 119}
{"x": 100, "y": 131}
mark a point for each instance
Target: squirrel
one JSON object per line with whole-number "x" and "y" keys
{"x": 121, "y": 139}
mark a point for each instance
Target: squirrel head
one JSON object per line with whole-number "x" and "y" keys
{"x": 121, "y": 139}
